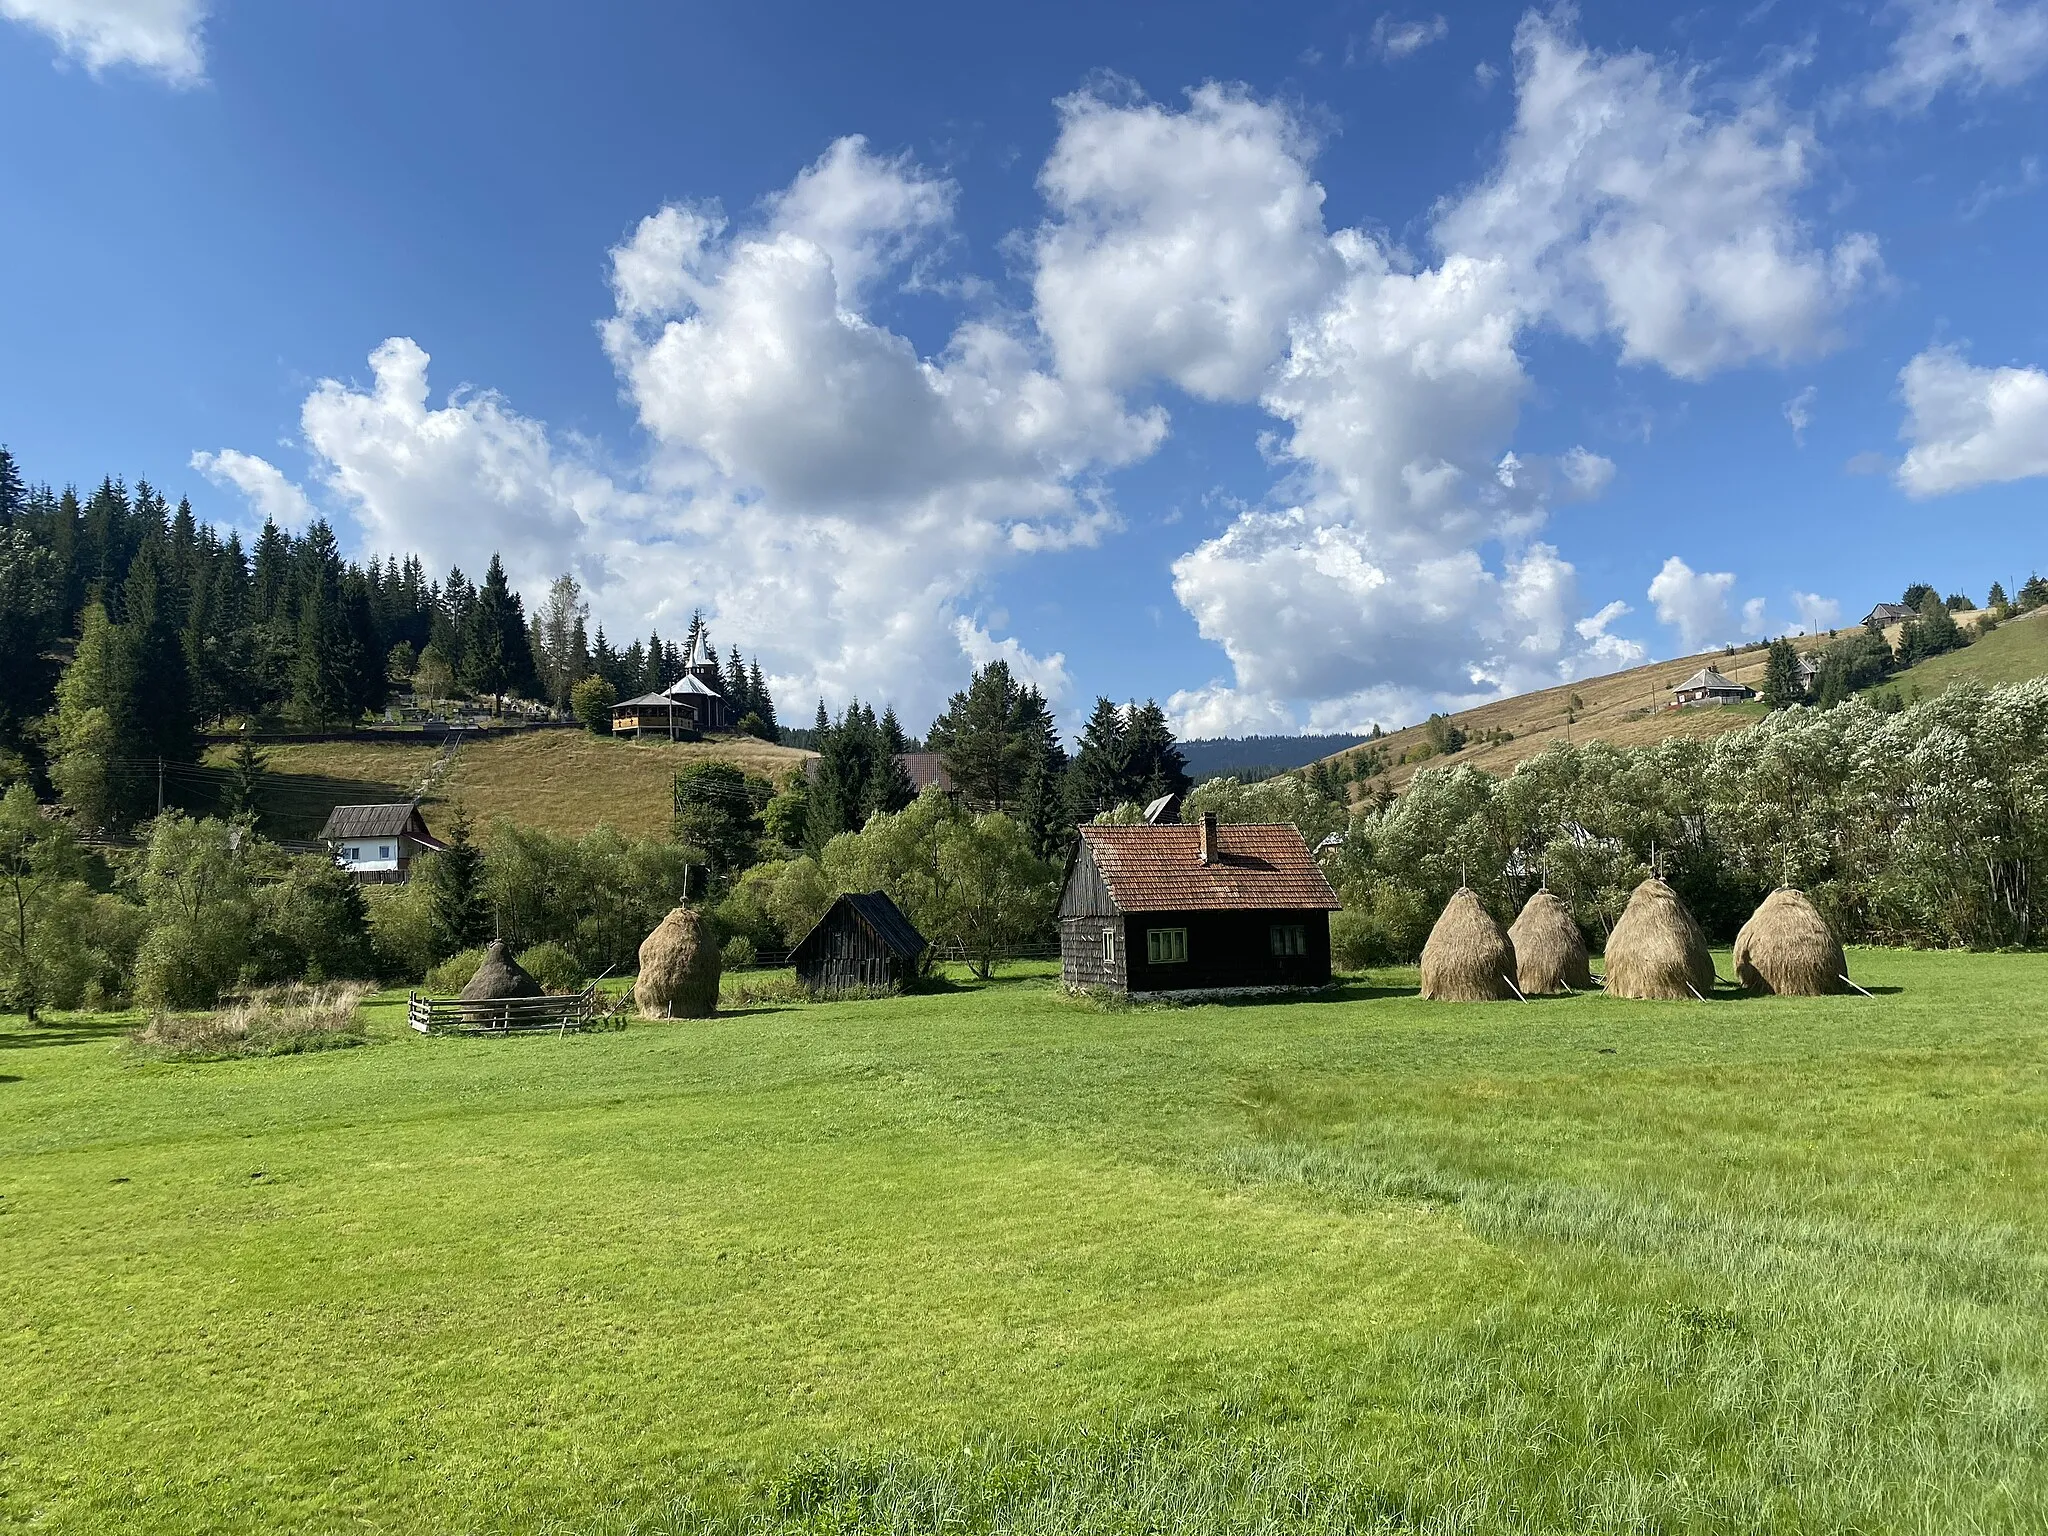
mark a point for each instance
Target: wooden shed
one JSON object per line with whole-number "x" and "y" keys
{"x": 1160, "y": 910}
{"x": 863, "y": 943}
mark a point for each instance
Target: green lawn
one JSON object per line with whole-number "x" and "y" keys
{"x": 993, "y": 1259}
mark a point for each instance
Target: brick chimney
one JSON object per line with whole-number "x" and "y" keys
{"x": 1208, "y": 837}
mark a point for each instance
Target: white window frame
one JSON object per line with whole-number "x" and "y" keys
{"x": 1109, "y": 946}
{"x": 1166, "y": 946}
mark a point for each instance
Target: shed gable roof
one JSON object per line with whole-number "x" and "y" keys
{"x": 1159, "y": 869}
{"x": 394, "y": 820}
{"x": 881, "y": 915}
{"x": 1707, "y": 677}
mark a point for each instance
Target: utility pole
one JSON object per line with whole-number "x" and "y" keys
{"x": 159, "y": 786}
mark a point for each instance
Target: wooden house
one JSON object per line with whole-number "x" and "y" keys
{"x": 1172, "y": 909}
{"x": 1707, "y": 686}
{"x": 863, "y": 943}
{"x": 1885, "y": 615}
{"x": 377, "y": 843}
{"x": 688, "y": 707}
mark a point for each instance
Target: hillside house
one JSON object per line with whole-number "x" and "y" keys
{"x": 1808, "y": 672}
{"x": 1707, "y": 686}
{"x": 688, "y": 707}
{"x": 1207, "y": 909}
{"x": 1884, "y": 615}
{"x": 378, "y": 843}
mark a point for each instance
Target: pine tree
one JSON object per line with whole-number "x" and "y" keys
{"x": 1781, "y": 676}
{"x": 496, "y": 657}
{"x": 762, "y": 704}
{"x": 1101, "y": 778}
{"x": 1157, "y": 764}
{"x": 162, "y": 720}
{"x": 1995, "y": 600}
{"x": 13, "y": 492}
{"x": 985, "y": 737}
{"x": 246, "y": 768}
{"x": 454, "y": 883}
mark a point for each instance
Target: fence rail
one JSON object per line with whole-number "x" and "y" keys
{"x": 560, "y": 1012}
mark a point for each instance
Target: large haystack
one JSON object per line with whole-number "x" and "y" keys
{"x": 1550, "y": 952}
{"x": 1657, "y": 949}
{"x": 679, "y": 967}
{"x": 1468, "y": 958}
{"x": 1786, "y": 947}
{"x": 500, "y": 976}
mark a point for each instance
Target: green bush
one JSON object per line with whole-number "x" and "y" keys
{"x": 553, "y": 967}
{"x": 405, "y": 935}
{"x": 738, "y": 953}
{"x": 453, "y": 974}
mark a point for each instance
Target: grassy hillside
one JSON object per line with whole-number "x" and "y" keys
{"x": 2012, "y": 653}
{"x": 563, "y": 781}
{"x": 997, "y": 1260}
{"x": 1630, "y": 708}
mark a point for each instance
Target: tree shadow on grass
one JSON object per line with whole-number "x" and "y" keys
{"x": 71, "y": 1031}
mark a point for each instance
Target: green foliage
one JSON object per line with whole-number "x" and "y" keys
{"x": 453, "y": 879}
{"x": 1933, "y": 631}
{"x": 738, "y": 952}
{"x": 786, "y": 818}
{"x": 592, "y": 700}
{"x": 246, "y": 768}
{"x": 1855, "y": 661}
{"x": 1917, "y": 594}
{"x": 1442, "y": 735}
{"x": 1289, "y": 798}
{"x": 41, "y": 883}
{"x": 405, "y": 930}
{"x": 313, "y": 925}
{"x": 597, "y": 895}
{"x": 197, "y": 889}
{"x": 1781, "y": 688}
{"x": 454, "y": 973}
{"x": 2033, "y": 594}
{"x": 858, "y": 773}
{"x": 553, "y": 967}
{"x": 1001, "y": 751}
{"x": 964, "y": 880}
{"x": 1996, "y": 601}
{"x": 1929, "y": 825}
{"x": 718, "y": 816}
{"x": 773, "y": 905}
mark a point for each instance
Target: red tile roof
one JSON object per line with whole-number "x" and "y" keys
{"x": 1159, "y": 869}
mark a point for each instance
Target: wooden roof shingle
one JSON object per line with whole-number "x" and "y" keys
{"x": 1160, "y": 869}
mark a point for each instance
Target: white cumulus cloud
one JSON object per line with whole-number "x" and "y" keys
{"x": 1968, "y": 426}
{"x": 161, "y": 37}
{"x": 266, "y": 488}
{"x": 1181, "y": 244}
{"x": 1695, "y": 603}
{"x": 1964, "y": 45}
{"x": 1622, "y": 205}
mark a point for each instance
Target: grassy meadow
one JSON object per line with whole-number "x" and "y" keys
{"x": 560, "y": 781}
{"x": 995, "y": 1259}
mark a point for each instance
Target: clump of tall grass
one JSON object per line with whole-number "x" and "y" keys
{"x": 276, "y": 1021}
{"x": 754, "y": 989}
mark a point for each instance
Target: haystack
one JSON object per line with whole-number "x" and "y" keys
{"x": 1786, "y": 947}
{"x": 679, "y": 967}
{"x": 1550, "y": 952}
{"x": 1468, "y": 958}
{"x": 500, "y": 976}
{"x": 1657, "y": 949}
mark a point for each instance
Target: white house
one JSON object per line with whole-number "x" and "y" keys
{"x": 377, "y": 843}
{"x": 1707, "y": 686}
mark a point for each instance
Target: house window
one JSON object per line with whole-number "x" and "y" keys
{"x": 1288, "y": 939}
{"x": 1109, "y": 946}
{"x": 1166, "y": 946}
{"x": 383, "y": 850}
{"x": 352, "y": 852}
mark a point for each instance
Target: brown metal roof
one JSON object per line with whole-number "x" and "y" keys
{"x": 1159, "y": 869}
{"x": 925, "y": 769}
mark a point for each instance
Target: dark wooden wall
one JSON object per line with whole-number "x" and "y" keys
{"x": 1228, "y": 949}
{"x": 847, "y": 956}
{"x": 1086, "y": 893}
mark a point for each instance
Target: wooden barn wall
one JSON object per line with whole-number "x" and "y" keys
{"x": 1081, "y": 962}
{"x": 849, "y": 954}
{"x": 1228, "y": 949}
{"x": 1086, "y": 893}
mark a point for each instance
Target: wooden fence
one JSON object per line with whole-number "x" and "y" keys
{"x": 559, "y": 1012}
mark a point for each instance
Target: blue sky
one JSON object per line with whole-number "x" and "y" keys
{"x": 1301, "y": 370}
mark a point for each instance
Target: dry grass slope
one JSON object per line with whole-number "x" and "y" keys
{"x": 1630, "y": 708}
{"x": 560, "y": 781}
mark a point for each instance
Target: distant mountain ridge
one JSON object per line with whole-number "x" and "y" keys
{"x": 1218, "y": 757}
